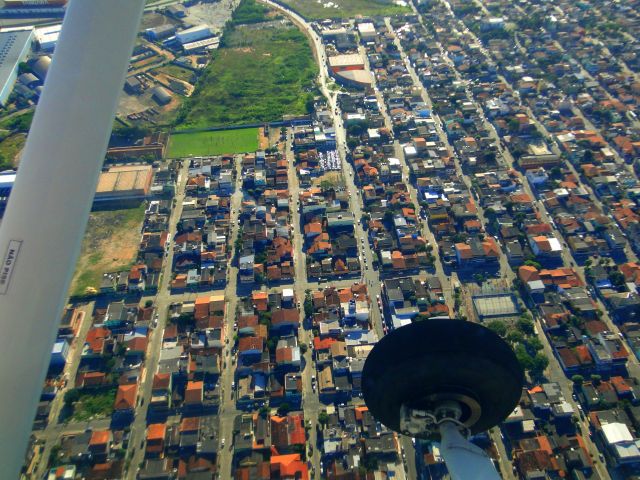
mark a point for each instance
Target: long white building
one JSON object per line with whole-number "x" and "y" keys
{"x": 193, "y": 34}
{"x": 14, "y": 49}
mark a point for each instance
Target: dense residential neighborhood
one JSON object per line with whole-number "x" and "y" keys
{"x": 467, "y": 160}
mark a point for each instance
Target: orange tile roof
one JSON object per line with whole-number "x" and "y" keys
{"x": 156, "y": 431}
{"x": 100, "y": 437}
{"x": 126, "y": 397}
{"x": 193, "y": 392}
{"x": 289, "y": 466}
{"x": 250, "y": 343}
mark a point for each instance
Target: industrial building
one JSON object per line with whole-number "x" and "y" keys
{"x": 161, "y": 95}
{"x": 47, "y": 37}
{"x": 40, "y": 67}
{"x": 14, "y": 49}
{"x": 124, "y": 183}
{"x": 34, "y": 3}
{"x": 160, "y": 33}
{"x": 193, "y": 34}
{"x": 340, "y": 63}
{"x": 201, "y": 45}
{"x": 496, "y": 306}
{"x": 7, "y": 179}
{"x": 349, "y": 70}
{"x": 152, "y": 146}
{"x": 367, "y": 31}
{"x": 33, "y": 8}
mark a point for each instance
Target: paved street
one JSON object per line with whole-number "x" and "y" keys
{"x": 162, "y": 302}
{"x": 227, "y": 412}
{"x": 53, "y": 429}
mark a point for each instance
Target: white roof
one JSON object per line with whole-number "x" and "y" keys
{"x": 555, "y": 245}
{"x": 536, "y": 285}
{"x": 346, "y": 60}
{"x": 287, "y": 292}
{"x": 628, "y": 450}
{"x": 7, "y": 179}
{"x": 373, "y": 133}
{"x": 366, "y": 27}
{"x": 410, "y": 150}
{"x": 616, "y": 432}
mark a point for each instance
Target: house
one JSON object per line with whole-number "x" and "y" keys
{"x": 288, "y": 431}
{"x": 155, "y": 444}
{"x": 126, "y": 397}
{"x": 545, "y": 246}
{"x": 100, "y": 445}
{"x": 289, "y": 467}
{"x": 194, "y": 393}
{"x": 477, "y": 253}
{"x": 621, "y": 446}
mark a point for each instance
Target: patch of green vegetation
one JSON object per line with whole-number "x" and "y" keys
{"x": 312, "y": 9}
{"x": 9, "y": 149}
{"x": 259, "y": 75}
{"x": 18, "y": 123}
{"x": 110, "y": 243}
{"x": 213, "y": 143}
{"x": 177, "y": 71}
{"x": 92, "y": 405}
{"x": 249, "y": 11}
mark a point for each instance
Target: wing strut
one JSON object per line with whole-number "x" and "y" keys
{"x": 43, "y": 226}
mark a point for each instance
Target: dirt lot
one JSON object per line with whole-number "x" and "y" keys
{"x": 214, "y": 14}
{"x": 110, "y": 243}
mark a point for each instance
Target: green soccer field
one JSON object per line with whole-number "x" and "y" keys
{"x": 213, "y": 143}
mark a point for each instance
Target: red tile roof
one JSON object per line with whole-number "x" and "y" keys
{"x": 126, "y": 397}
{"x": 100, "y": 437}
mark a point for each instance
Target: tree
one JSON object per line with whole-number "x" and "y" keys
{"x": 534, "y": 264}
{"x": 308, "y": 306}
{"x": 148, "y": 303}
{"x": 303, "y": 348}
{"x": 540, "y": 363}
{"x": 515, "y": 337}
{"x": 263, "y": 412}
{"x": 577, "y": 380}
{"x": 535, "y": 344}
{"x": 323, "y": 419}
{"x": 595, "y": 379}
{"x": 264, "y": 318}
{"x": 498, "y": 327}
{"x": 525, "y": 325}
{"x": 283, "y": 409}
{"x": 71, "y": 396}
{"x": 525, "y": 360}
{"x": 479, "y": 278}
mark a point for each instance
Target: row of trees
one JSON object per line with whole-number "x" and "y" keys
{"x": 527, "y": 347}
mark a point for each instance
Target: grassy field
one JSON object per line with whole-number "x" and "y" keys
{"x": 94, "y": 405}
{"x": 213, "y": 143}
{"x": 260, "y": 75}
{"x": 10, "y": 147}
{"x": 311, "y": 9}
{"x": 110, "y": 243}
{"x": 176, "y": 71}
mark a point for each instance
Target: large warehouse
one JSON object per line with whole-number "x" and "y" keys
{"x": 123, "y": 183}
{"x": 351, "y": 61}
{"x": 14, "y": 49}
{"x": 193, "y": 34}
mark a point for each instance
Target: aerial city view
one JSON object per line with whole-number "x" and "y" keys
{"x": 292, "y": 187}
